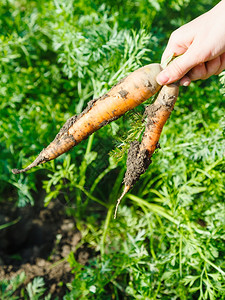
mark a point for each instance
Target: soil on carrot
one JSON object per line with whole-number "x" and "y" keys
{"x": 137, "y": 163}
{"x": 139, "y": 154}
{"x": 38, "y": 245}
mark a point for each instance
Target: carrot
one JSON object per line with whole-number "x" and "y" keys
{"x": 124, "y": 96}
{"x": 139, "y": 154}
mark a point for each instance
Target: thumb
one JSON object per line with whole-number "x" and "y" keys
{"x": 177, "y": 68}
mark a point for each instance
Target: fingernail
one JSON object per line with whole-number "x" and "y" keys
{"x": 186, "y": 83}
{"x": 162, "y": 78}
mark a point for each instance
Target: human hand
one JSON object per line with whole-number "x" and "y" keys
{"x": 201, "y": 44}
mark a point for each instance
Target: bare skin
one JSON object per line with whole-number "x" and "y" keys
{"x": 202, "y": 45}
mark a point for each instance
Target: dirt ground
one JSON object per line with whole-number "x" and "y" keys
{"x": 38, "y": 245}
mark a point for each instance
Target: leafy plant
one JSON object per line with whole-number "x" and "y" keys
{"x": 35, "y": 289}
{"x": 222, "y": 80}
{"x": 167, "y": 241}
{"x": 8, "y": 287}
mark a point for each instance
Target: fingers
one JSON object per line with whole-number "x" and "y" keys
{"x": 178, "y": 68}
{"x": 179, "y": 41}
{"x": 185, "y": 81}
{"x": 176, "y": 51}
{"x": 222, "y": 66}
{"x": 197, "y": 72}
{"x": 205, "y": 70}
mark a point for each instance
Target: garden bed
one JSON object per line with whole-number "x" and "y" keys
{"x": 38, "y": 244}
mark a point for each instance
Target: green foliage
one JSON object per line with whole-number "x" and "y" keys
{"x": 8, "y": 287}
{"x": 167, "y": 241}
{"x": 34, "y": 290}
{"x": 222, "y": 80}
{"x": 144, "y": 258}
{"x": 3, "y": 226}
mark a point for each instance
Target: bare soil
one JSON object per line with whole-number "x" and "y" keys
{"x": 39, "y": 244}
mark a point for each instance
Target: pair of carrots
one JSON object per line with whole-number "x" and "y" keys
{"x": 131, "y": 91}
{"x": 139, "y": 154}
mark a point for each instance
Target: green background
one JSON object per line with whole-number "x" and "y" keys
{"x": 168, "y": 239}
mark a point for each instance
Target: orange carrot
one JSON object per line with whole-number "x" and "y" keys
{"x": 124, "y": 96}
{"x": 139, "y": 154}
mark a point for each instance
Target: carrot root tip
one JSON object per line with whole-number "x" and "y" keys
{"x": 39, "y": 160}
{"x": 16, "y": 171}
{"x": 126, "y": 190}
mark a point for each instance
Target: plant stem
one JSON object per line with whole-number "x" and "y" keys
{"x": 106, "y": 225}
